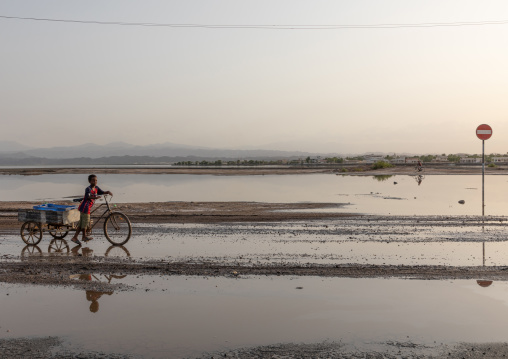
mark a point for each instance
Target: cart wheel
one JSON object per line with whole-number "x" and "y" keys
{"x": 31, "y": 251}
{"x": 58, "y": 246}
{"x": 117, "y": 228}
{"x": 57, "y": 232}
{"x": 31, "y": 232}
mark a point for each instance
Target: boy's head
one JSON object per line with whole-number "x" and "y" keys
{"x": 92, "y": 179}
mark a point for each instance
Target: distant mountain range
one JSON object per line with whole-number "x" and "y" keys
{"x": 12, "y": 153}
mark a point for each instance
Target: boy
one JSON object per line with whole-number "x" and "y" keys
{"x": 92, "y": 192}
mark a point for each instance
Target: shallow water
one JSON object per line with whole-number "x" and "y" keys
{"x": 186, "y": 316}
{"x": 362, "y": 194}
{"x": 350, "y": 241}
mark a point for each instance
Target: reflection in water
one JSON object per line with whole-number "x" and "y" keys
{"x": 434, "y": 198}
{"x": 31, "y": 251}
{"x": 382, "y": 178}
{"x": 85, "y": 251}
{"x": 60, "y": 247}
{"x": 419, "y": 179}
{"x": 93, "y": 296}
{"x": 117, "y": 251}
{"x": 484, "y": 283}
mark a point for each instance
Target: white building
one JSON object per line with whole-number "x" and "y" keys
{"x": 373, "y": 159}
{"x": 440, "y": 159}
{"x": 399, "y": 160}
{"x": 412, "y": 159}
{"x": 470, "y": 160}
{"x": 499, "y": 159}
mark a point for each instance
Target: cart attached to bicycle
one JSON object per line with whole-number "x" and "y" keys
{"x": 59, "y": 220}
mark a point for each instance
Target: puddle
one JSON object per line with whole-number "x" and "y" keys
{"x": 365, "y": 241}
{"x": 187, "y": 316}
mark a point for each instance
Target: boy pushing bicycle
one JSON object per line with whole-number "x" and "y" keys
{"x": 92, "y": 193}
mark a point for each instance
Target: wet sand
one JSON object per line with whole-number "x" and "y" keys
{"x": 387, "y": 350}
{"x": 52, "y": 348}
{"x": 56, "y": 271}
{"x": 333, "y": 226}
{"x": 191, "y": 212}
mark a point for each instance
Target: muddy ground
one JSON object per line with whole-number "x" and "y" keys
{"x": 52, "y": 348}
{"x": 56, "y": 271}
{"x": 192, "y": 212}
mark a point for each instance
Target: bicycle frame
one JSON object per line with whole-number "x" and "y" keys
{"x": 108, "y": 211}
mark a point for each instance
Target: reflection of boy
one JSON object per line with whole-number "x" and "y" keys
{"x": 93, "y": 296}
{"x": 92, "y": 192}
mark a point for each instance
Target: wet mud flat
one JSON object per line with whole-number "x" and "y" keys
{"x": 47, "y": 348}
{"x": 386, "y": 350}
{"x": 422, "y": 247}
{"x": 192, "y": 212}
{"x": 241, "y": 260}
{"x": 51, "y": 348}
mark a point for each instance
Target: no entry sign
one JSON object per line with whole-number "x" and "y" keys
{"x": 483, "y": 132}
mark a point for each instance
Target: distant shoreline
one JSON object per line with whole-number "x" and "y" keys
{"x": 356, "y": 170}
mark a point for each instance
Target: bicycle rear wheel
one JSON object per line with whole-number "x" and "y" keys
{"x": 117, "y": 228}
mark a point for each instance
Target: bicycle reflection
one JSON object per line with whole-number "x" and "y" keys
{"x": 419, "y": 179}
{"x": 60, "y": 247}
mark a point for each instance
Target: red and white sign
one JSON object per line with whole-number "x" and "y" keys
{"x": 483, "y": 132}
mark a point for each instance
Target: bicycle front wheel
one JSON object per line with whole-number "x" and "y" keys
{"x": 117, "y": 228}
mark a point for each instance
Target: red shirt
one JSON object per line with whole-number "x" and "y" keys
{"x": 89, "y": 199}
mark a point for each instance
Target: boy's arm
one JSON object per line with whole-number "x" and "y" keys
{"x": 89, "y": 195}
{"x": 100, "y": 192}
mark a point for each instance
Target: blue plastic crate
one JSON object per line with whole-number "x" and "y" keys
{"x": 54, "y": 207}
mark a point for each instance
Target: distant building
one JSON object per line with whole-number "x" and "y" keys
{"x": 412, "y": 159}
{"x": 470, "y": 160}
{"x": 374, "y": 159}
{"x": 398, "y": 160}
{"x": 499, "y": 159}
{"x": 440, "y": 159}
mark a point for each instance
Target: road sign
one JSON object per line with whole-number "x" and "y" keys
{"x": 483, "y": 132}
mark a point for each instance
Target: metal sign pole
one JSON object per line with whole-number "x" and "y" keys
{"x": 483, "y": 177}
{"x": 483, "y": 132}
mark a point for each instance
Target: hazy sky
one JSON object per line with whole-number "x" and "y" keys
{"x": 348, "y": 90}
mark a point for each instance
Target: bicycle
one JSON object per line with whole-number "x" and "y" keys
{"x": 117, "y": 226}
{"x": 419, "y": 169}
